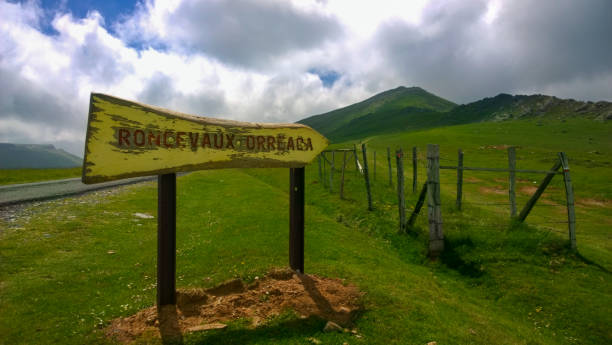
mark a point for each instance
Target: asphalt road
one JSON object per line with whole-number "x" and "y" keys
{"x": 27, "y": 192}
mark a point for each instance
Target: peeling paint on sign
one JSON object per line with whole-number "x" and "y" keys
{"x": 127, "y": 139}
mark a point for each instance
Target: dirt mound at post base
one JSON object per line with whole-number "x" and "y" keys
{"x": 279, "y": 290}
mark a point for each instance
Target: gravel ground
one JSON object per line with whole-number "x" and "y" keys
{"x": 13, "y": 216}
{"x": 15, "y": 194}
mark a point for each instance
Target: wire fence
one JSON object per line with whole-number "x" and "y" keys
{"x": 474, "y": 187}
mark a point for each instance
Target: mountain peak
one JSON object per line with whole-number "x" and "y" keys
{"x": 393, "y": 100}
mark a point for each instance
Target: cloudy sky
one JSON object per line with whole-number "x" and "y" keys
{"x": 281, "y": 60}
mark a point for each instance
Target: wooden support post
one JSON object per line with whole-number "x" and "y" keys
{"x": 331, "y": 173}
{"x": 389, "y": 164}
{"x": 320, "y": 171}
{"x": 512, "y": 180}
{"x": 418, "y": 206}
{"x": 366, "y": 177}
{"x": 296, "y": 219}
{"x": 459, "y": 178}
{"x": 536, "y": 195}
{"x": 569, "y": 194}
{"x": 414, "y": 169}
{"x": 342, "y": 176}
{"x": 401, "y": 202}
{"x": 166, "y": 239}
{"x": 356, "y": 158}
{"x": 434, "y": 211}
{"x": 374, "y": 165}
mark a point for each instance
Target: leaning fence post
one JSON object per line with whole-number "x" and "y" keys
{"x": 342, "y": 176}
{"x": 401, "y": 202}
{"x": 434, "y": 212}
{"x": 536, "y": 195}
{"x": 569, "y": 194}
{"x": 418, "y": 206}
{"x": 512, "y": 180}
{"x": 414, "y": 169}
{"x": 459, "y": 178}
{"x": 365, "y": 175}
{"x": 389, "y": 164}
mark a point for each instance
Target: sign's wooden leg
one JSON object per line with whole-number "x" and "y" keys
{"x": 166, "y": 239}
{"x": 296, "y": 219}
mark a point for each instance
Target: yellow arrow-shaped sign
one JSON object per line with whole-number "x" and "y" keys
{"x": 127, "y": 139}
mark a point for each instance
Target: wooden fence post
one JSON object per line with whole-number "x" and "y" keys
{"x": 512, "y": 181}
{"x": 434, "y": 212}
{"x": 389, "y": 163}
{"x": 414, "y": 169}
{"x": 418, "y": 206}
{"x": 356, "y": 159}
{"x": 569, "y": 194}
{"x": 459, "y": 178}
{"x": 365, "y": 175}
{"x": 331, "y": 173}
{"x": 342, "y": 176}
{"x": 400, "y": 190}
{"x": 536, "y": 195}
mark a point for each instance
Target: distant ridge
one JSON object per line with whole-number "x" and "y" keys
{"x": 508, "y": 107}
{"x": 407, "y": 109}
{"x": 25, "y": 156}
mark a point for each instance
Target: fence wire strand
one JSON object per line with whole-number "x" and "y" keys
{"x": 460, "y": 223}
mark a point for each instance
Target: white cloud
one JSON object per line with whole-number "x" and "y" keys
{"x": 247, "y": 33}
{"x": 256, "y": 60}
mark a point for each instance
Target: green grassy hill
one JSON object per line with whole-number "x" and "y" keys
{"x": 69, "y": 267}
{"x": 409, "y": 109}
{"x": 396, "y": 101}
{"x": 30, "y": 156}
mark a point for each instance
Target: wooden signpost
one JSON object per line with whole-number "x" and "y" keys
{"x": 127, "y": 139}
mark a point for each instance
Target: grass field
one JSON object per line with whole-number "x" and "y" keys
{"x": 75, "y": 264}
{"x": 14, "y": 176}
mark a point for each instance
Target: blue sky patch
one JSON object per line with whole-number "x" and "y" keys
{"x": 111, "y": 10}
{"x": 327, "y": 77}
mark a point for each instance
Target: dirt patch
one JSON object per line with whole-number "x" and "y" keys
{"x": 528, "y": 190}
{"x": 279, "y": 290}
{"x": 472, "y": 179}
{"x": 594, "y": 202}
{"x": 495, "y": 190}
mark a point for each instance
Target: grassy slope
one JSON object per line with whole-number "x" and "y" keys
{"x": 519, "y": 286}
{"x": 390, "y": 101}
{"x": 406, "y": 119}
{"x": 13, "y": 176}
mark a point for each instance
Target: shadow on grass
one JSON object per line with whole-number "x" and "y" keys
{"x": 590, "y": 262}
{"x": 285, "y": 327}
{"x": 452, "y": 257}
